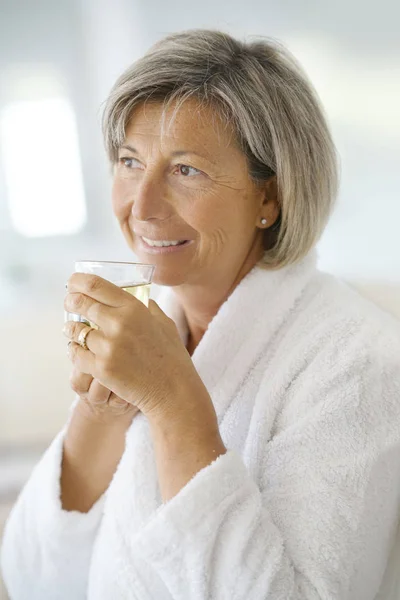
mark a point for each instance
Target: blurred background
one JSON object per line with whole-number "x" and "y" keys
{"x": 58, "y": 61}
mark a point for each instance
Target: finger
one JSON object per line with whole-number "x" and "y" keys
{"x": 80, "y": 382}
{"x": 100, "y": 289}
{"x": 98, "y": 394}
{"x": 94, "y": 339}
{"x": 83, "y": 360}
{"x": 92, "y": 310}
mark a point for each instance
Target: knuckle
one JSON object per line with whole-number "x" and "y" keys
{"x": 108, "y": 353}
{"x": 75, "y": 387}
{"x": 75, "y": 382}
{"x": 93, "y": 283}
{"x": 74, "y": 348}
{"x": 117, "y": 327}
{"x": 76, "y": 300}
{"x": 71, "y": 351}
{"x": 67, "y": 329}
{"x": 73, "y": 330}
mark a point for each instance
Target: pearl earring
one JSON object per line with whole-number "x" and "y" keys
{"x": 263, "y": 221}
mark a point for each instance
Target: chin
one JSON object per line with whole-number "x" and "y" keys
{"x": 168, "y": 277}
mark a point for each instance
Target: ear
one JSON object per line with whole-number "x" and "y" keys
{"x": 270, "y": 208}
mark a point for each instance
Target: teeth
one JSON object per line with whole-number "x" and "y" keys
{"x": 161, "y": 243}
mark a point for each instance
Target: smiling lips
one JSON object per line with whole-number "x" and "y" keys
{"x": 160, "y": 243}
{"x": 161, "y": 247}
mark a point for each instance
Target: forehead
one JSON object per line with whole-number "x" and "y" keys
{"x": 192, "y": 124}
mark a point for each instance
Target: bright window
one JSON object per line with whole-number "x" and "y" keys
{"x": 42, "y": 167}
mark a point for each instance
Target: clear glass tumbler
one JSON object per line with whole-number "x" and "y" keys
{"x": 134, "y": 278}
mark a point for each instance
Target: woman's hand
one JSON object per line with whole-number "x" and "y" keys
{"x": 98, "y": 402}
{"x": 136, "y": 353}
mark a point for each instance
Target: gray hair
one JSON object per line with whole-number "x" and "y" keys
{"x": 280, "y": 125}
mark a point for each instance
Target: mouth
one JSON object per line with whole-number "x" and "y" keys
{"x": 164, "y": 249}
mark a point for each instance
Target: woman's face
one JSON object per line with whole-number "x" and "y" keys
{"x": 191, "y": 183}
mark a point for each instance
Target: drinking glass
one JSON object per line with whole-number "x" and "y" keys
{"x": 134, "y": 278}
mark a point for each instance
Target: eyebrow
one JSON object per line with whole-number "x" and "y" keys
{"x": 176, "y": 153}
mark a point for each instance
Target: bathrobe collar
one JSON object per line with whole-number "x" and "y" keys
{"x": 243, "y": 327}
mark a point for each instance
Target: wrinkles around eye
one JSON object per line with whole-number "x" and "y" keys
{"x": 133, "y": 163}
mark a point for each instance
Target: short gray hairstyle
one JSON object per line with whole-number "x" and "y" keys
{"x": 260, "y": 89}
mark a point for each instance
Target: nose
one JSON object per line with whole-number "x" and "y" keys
{"x": 149, "y": 198}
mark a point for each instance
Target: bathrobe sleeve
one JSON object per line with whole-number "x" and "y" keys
{"x": 46, "y": 550}
{"x": 321, "y": 524}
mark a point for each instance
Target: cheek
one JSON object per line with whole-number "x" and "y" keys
{"x": 214, "y": 224}
{"x": 120, "y": 199}
{"x": 212, "y": 216}
{"x": 206, "y": 209}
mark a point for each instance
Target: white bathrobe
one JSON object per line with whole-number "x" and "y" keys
{"x": 304, "y": 375}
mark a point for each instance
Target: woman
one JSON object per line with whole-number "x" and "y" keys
{"x": 239, "y": 439}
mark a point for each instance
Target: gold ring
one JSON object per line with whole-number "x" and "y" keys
{"x": 82, "y": 337}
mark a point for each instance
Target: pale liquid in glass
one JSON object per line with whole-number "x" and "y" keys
{"x": 141, "y": 292}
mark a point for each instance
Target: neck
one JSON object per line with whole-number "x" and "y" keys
{"x": 200, "y": 304}
{"x": 201, "y": 301}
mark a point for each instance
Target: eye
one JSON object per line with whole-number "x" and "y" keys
{"x": 188, "y": 171}
{"x": 129, "y": 163}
